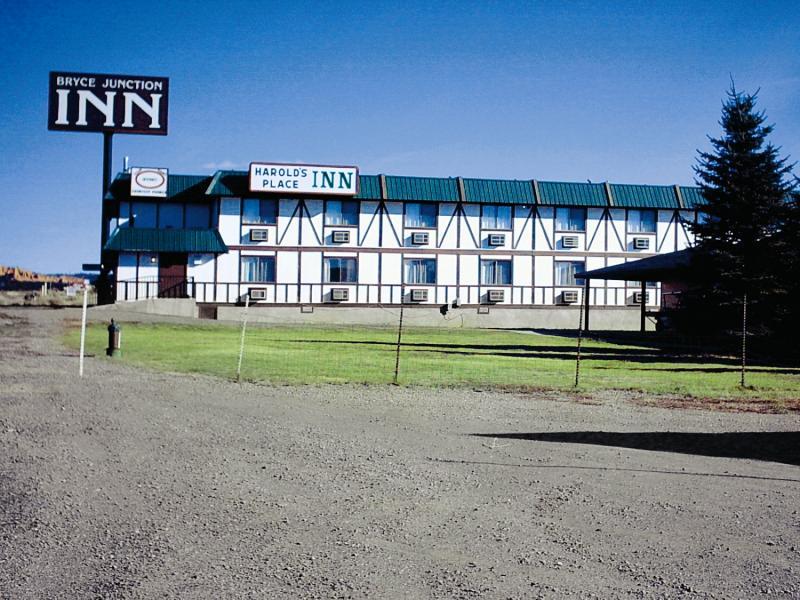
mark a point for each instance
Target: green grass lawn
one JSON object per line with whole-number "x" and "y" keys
{"x": 433, "y": 357}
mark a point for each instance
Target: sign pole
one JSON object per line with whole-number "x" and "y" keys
{"x": 241, "y": 343}
{"x": 104, "y": 281}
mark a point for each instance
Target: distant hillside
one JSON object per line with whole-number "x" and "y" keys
{"x": 15, "y": 278}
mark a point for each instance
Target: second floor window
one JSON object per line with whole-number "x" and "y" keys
{"x": 420, "y": 215}
{"x": 565, "y": 272}
{"x": 496, "y": 216}
{"x": 641, "y": 221}
{"x": 570, "y": 219}
{"x": 259, "y": 269}
{"x": 257, "y": 211}
{"x": 341, "y": 269}
{"x": 496, "y": 272}
{"x": 420, "y": 270}
{"x": 341, "y": 212}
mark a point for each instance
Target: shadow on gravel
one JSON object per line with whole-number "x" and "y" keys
{"x": 779, "y": 446}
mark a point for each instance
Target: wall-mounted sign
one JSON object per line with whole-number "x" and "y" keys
{"x": 303, "y": 179}
{"x": 146, "y": 181}
{"x": 110, "y": 103}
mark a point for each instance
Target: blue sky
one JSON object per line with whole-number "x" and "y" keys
{"x": 624, "y": 92}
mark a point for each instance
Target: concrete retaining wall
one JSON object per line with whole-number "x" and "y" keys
{"x": 171, "y": 307}
{"x": 602, "y": 318}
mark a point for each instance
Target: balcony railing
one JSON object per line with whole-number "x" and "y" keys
{"x": 370, "y": 294}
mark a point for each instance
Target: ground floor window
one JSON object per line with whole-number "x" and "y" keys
{"x": 341, "y": 270}
{"x": 420, "y": 270}
{"x": 259, "y": 269}
{"x": 565, "y": 272}
{"x": 496, "y": 272}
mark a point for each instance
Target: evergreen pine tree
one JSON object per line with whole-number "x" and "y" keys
{"x": 745, "y": 238}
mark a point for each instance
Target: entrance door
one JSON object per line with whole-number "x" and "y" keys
{"x": 172, "y": 275}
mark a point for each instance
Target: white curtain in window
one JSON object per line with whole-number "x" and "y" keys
{"x": 496, "y": 272}
{"x": 421, "y": 270}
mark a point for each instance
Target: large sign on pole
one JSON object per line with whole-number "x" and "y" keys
{"x": 108, "y": 103}
{"x": 303, "y": 179}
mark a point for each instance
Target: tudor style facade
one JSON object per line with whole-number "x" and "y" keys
{"x": 425, "y": 241}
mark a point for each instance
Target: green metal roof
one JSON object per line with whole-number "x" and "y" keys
{"x": 498, "y": 191}
{"x": 132, "y": 239}
{"x": 559, "y": 193}
{"x": 692, "y": 197}
{"x": 193, "y": 188}
{"x": 229, "y": 183}
{"x": 644, "y": 196}
{"x": 180, "y": 188}
{"x": 369, "y": 187}
{"x": 434, "y": 189}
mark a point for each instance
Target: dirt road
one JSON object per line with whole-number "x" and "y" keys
{"x": 134, "y": 484}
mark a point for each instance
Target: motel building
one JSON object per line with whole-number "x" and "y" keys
{"x": 306, "y": 243}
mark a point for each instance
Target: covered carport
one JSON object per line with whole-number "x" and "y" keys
{"x": 674, "y": 267}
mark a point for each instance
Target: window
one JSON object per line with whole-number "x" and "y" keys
{"x": 496, "y": 216}
{"x": 420, "y": 270}
{"x": 570, "y": 219}
{"x": 341, "y": 212}
{"x": 638, "y": 284}
{"x": 170, "y": 216}
{"x": 641, "y": 221}
{"x": 258, "y": 269}
{"x": 420, "y": 215}
{"x": 565, "y": 272}
{"x": 198, "y": 216}
{"x": 143, "y": 214}
{"x": 340, "y": 270}
{"x": 256, "y": 211}
{"x": 496, "y": 272}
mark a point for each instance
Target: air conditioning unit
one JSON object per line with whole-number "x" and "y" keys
{"x": 641, "y": 243}
{"x": 340, "y": 295}
{"x": 259, "y": 235}
{"x": 496, "y": 295}
{"x": 637, "y": 298}
{"x": 258, "y": 294}
{"x": 569, "y": 296}
{"x": 419, "y": 238}
{"x": 497, "y": 239}
{"x": 419, "y": 295}
{"x": 341, "y": 237}
{"x": 569, "y": 241}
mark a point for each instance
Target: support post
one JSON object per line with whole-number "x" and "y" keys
{"x": 642, "y": 318}
{"x": 586, "y": 303}
{"x": 83, "y": 327}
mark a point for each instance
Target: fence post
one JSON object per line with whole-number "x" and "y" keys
{"x": 744, "y": 338}
{"x": 578, "y": 353}
{"x": 399, "y": 337}
{"x": 241, "y": 343}
{"x": 83, "y": 326}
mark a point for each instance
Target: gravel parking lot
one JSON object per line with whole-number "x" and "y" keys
{"x": 135, "y": 484}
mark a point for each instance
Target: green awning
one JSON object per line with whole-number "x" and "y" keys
{"x": 132, "y": 239}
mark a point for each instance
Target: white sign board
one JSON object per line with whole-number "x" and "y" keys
{"x": 304, "y": 179}
{"x": 147, "y": 181}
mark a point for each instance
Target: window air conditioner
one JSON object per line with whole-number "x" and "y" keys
{"x": 258, "y": 294}
{"x": 569, "y": 241}
{"x": 419, "y": 295}
{"x": 341, "y": 237}
{"x": 496, "y": 295}
{"x": 258, "y": 235}
{"x": 419, "y": 238}
{"x": 569, "y": 297}
{"x": 637, "y": 297}
{"x": 497, "y": 239}
{"x": 340, "y": 295}
{"x": 641, "y": 243}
